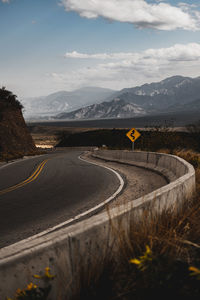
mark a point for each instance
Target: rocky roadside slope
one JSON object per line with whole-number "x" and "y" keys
{"x": 15, "y": 139}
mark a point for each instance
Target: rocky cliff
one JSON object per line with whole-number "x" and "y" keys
{"x": 15, "y": 139}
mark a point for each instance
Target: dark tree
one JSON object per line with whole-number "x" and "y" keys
{"x": 8, "y": 99}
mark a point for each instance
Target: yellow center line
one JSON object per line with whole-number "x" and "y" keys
{"x": 28, "y": 180}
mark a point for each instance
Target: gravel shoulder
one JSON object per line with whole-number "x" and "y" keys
{"x": 139, "y": 181}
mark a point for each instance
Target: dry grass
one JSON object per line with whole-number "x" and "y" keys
{"x": 191, "y": 156}
{"x": 175, "y": 244}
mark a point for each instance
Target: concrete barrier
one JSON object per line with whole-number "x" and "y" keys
{"x": 170, "y": 166}
{"x": 70, "y": 249}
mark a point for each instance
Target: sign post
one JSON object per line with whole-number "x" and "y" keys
{"x": 133, "y": 135}
{"x": 133, "y": 145}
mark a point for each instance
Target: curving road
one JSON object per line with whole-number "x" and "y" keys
{"x": 41, "y": 192}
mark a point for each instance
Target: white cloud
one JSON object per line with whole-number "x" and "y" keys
{"x": 5, "y": 1}
{"x": 119, "y": 70}
{"x": 158, "y": 15}
{"x": 103, "y": 56}
{"x": 178, "y": 52}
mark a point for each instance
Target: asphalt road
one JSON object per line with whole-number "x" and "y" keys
{"x": 41, "y": 192}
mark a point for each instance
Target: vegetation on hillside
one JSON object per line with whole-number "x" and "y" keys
{"x": 152, "y": 139}
{"x": 8, "y": 100}
{"x": 15, "y": 139}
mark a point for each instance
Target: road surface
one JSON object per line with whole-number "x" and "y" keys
{"x": 41, "y": 192}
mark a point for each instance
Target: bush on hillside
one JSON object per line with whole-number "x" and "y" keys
{"x": 8, "y": 100}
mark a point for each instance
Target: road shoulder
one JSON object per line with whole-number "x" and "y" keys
{"x": 139, "y": 181}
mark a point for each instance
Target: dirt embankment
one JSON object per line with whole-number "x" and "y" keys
{"x": 15, "y": 139}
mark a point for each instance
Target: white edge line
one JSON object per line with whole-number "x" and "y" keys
{"x": 82, "y": 214}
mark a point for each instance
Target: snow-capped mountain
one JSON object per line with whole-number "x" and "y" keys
{"x": 116, "y": 108}
{"x": 58, "y": 102}
{"x": 171, "y": 94}
{"x": 155, "y": 97}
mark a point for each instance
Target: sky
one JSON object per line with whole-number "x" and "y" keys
{"x": 53, "y": 45}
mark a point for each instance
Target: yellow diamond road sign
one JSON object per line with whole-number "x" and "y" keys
{"x": 133, "y": 134}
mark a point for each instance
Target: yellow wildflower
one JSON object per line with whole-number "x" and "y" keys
{"x": 37, "y": 276}
{"x": 135, "y": 261}
{"x": 148, "y": 250}
{"x": 194, "y": 272}
{"x": 147, "y": 255}
{"x": 142, "y": 261}
{"x": 31, "y": 286}
{"x": 19, "y": 291}
{"x": 47, "y": 273}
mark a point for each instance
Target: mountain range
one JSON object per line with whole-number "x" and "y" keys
{"x": 63, "y": 101}
{"x": 116, "y": 108}
{"x": 172, "y": 94}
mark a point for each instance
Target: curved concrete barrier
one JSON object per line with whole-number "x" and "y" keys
{"x": 66, "y": 251}
{"x": 172, "y": 167}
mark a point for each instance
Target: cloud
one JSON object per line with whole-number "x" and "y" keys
{"x": 159, "y": 15}
{"x": 102, "y": 56}
{"x": 119, "y": 70}
{"x": 5, "y": 1}
{"x": 178, "y": 52}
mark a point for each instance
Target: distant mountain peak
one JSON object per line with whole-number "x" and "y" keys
{"x": 55, "y": 103}
{"x": 116, "y": 108}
